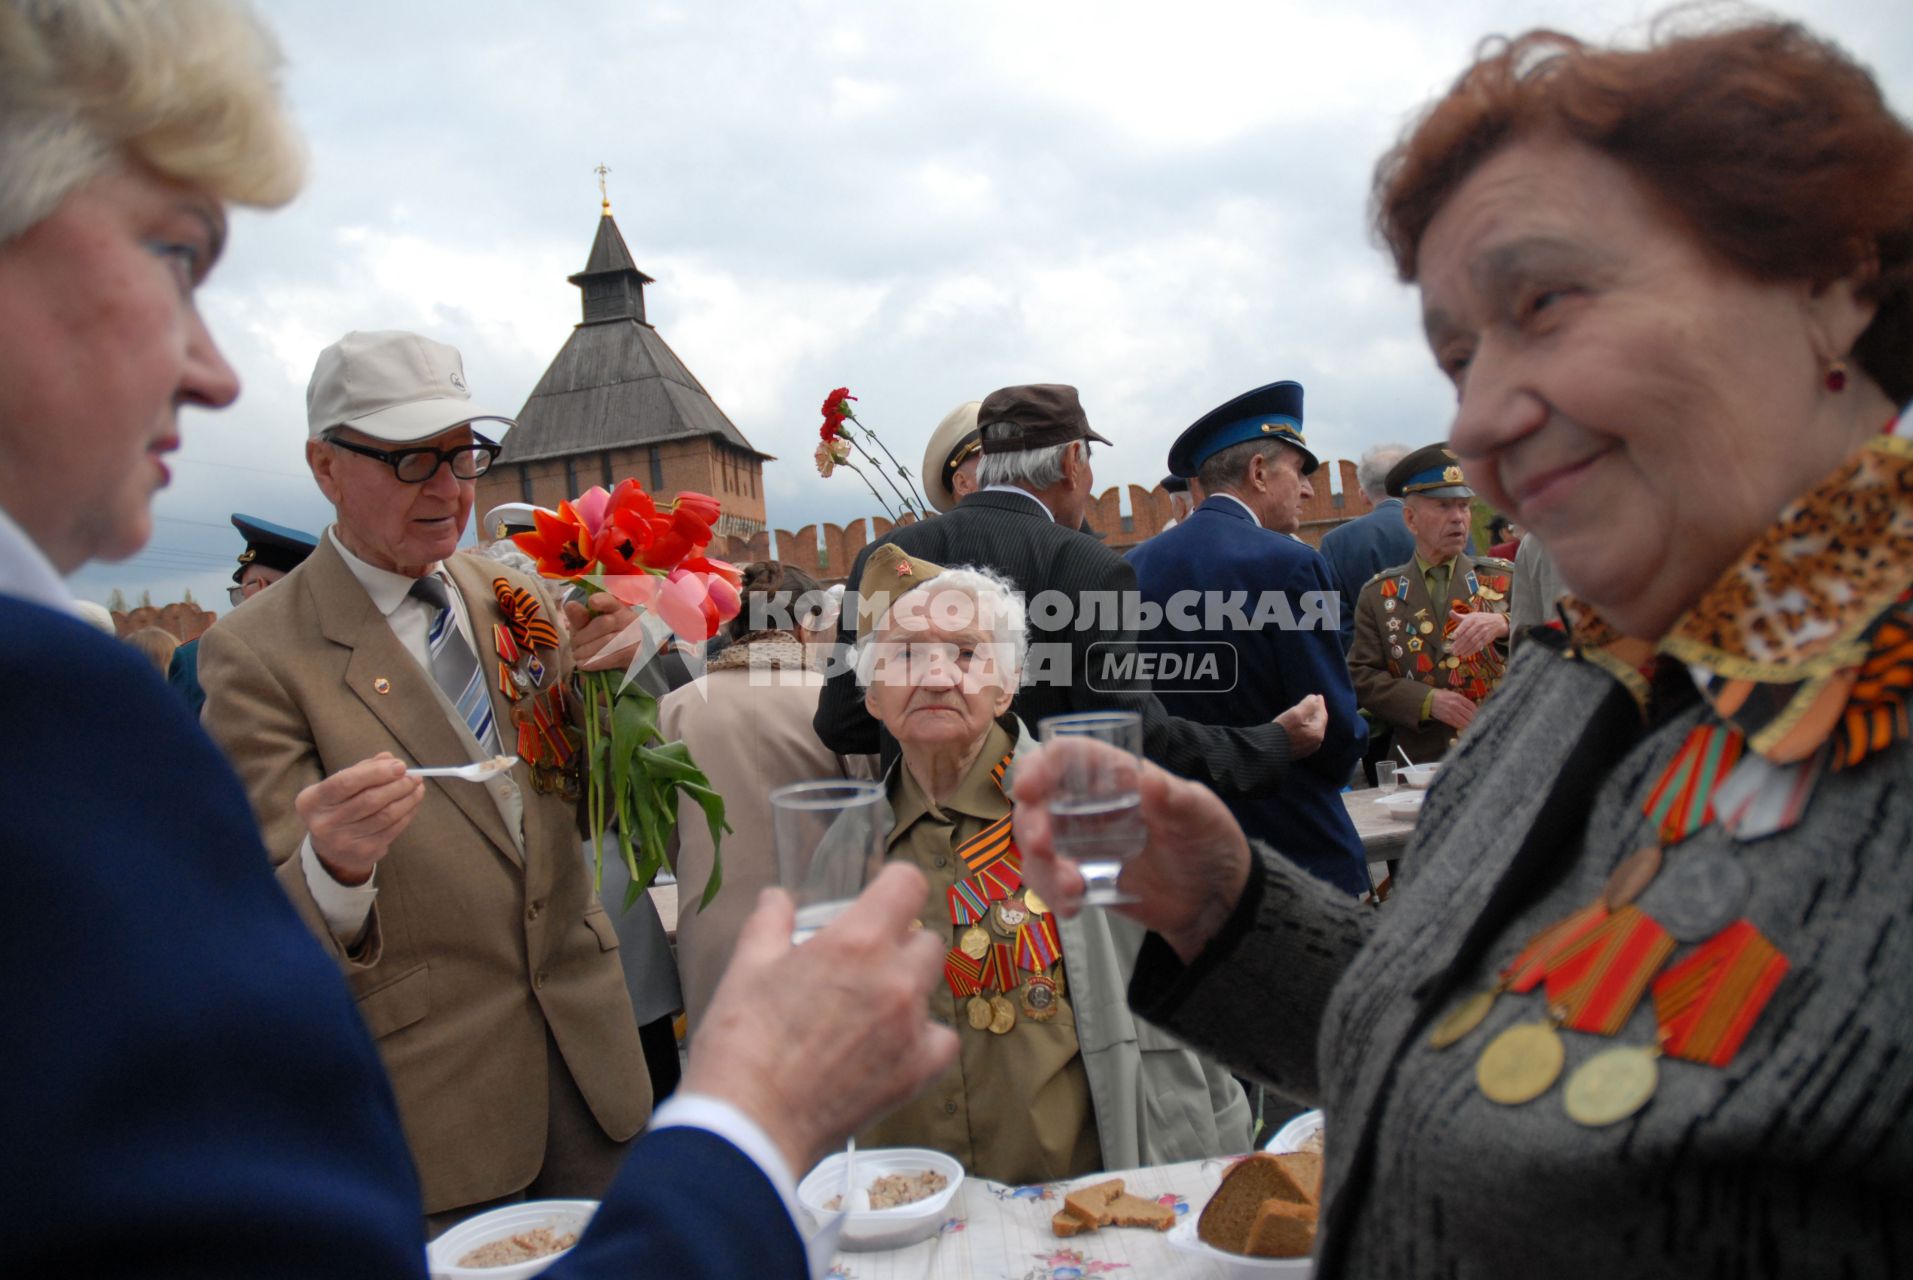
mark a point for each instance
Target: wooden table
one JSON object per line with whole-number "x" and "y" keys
{"x": 1383, "y": 834}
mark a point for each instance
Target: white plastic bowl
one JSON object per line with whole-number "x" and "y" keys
{"x": 1235, "y": 1266}
{"x": 1403, "y": 805}
{"x": 442, "y": 1254}
{"x": 881, "y": 1228}
{"x": 1418, "y": 776}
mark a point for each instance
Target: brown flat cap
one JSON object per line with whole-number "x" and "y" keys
{"x": 1034, "y": 417}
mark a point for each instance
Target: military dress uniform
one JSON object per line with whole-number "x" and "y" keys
{"x": 1406, "y": 613}
{"x": 1015, "y": 1107}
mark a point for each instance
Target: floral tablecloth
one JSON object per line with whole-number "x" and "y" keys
{"x": 996, "y": 1232}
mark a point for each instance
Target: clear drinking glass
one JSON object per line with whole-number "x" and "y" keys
{"x": 1095, "y": 811}
{"x": 830, "y": 841}
{"x": 1385, "y": 777}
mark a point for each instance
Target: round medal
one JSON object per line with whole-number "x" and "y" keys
{"x": 975, "y": 942}
{"x": 1427, "y": 628}
{"x": 1635, "y": 873}
{"x": 1611, "y": 1086}
{"x": 1462, "y": 1019}
{"x": 1699, "y": 894}
{"x": 1520, "y": 1064}
{"x": 1039, "y": 999}
{"x": 980, "y": 1013}
{"x": 1007, "y": 916}
{"x": 1002, "y": 1015}
{"x": 1033, "y": 904}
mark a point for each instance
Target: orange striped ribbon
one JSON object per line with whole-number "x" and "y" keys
{"x": 1707, "y": 1003}
{"x": 962, "y": 973}
{"x": 1595, "y": 983}
{"x": 1682, "y": 801}
{"x": 1876, "y": 712}
{"x": 527, "y": 621}
{"x": 1531, "y": 965}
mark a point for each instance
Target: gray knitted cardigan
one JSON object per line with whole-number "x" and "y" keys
{"x": 1794, "y": 1161}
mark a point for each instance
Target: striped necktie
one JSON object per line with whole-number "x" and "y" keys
{"x": 455, "y": 666}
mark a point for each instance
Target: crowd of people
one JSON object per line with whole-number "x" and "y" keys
{"x": 1638, "y": 1008}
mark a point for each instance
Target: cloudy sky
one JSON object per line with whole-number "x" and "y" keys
{"x": 1161, "y": 203}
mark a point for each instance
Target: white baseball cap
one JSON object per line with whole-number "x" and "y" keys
{"x": 392, "y": 386}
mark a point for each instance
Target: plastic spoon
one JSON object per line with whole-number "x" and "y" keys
{"x": 469, "y": 772}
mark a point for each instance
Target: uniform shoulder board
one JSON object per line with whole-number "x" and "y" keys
{"x": 1393, "y": 571}
{"x": 1494, "y": 562}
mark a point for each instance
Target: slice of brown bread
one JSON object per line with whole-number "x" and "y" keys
{"x": 1091, "y": 1203}
{"x": 1282, "y": 1229}
{"x": 1134, "y": 1211}
{"x": 1231, "y": 1211}
{"x": 1306, "y": 1168}
{"x": 1065, "y": 1223}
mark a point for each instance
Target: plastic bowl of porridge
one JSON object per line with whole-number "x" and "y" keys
{"x": 511, "y": 1243}
{"x": 887, "y": 1173}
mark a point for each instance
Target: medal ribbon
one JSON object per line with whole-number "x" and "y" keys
{"x": 527, "y": 622}
{"x": 1682, "y": 802}
{"x": 1037, "y": 947}
{"x": 506, "y": 685}
{"x": 1004, "y": 961}
{"x": 553, "y": 733}
{"x": 1596, "y": 982}
{"x": 1528, "y": 968}
{"x": 1875, "y": 715}
{"x": 507, "y": 646}
{"x": 967, "y": 903}
{"x": 1707, "y": 1003}
{"x": 988, "y": 846}
{"x": 528, "y": 749}
{"x": 962, "y": 973}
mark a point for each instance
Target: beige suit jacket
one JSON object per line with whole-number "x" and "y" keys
{"x": 475, "y": 950}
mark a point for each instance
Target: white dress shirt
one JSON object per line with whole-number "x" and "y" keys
{"x": 1022, "y": 493}
{"x": 26, "y": 573}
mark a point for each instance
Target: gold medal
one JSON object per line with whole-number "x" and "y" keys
{"x": 1427, "y": 628}
{"x": 1611, "y": 1086}
{"x": 1462, "y": 1019}
{"x": 1033, "y": 904}
{"x": 975, "y": 942}
{"x": 980, "y": 1013}
{"x": 1635, "y": 873}
{"x": 1040, "y": 1001}
{"x": 1002, "y": 1015}
{"x": 1520, "y": 1064}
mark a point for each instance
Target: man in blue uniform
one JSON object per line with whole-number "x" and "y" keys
{"x": 1236, "y": 588}
{"x": 272, "y": 551}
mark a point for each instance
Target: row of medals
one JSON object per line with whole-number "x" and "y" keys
{"x": 1701, "y": 895}
{"x": 1042, "y": 992}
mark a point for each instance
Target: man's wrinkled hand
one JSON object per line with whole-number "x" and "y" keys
{"x": 813, "y": 1042}
{"x": 1451, "y": 709}
{"x": 604, "y": 636}
{"x": 1306, "y": 722}
{"x": 1475, "y": 632}
{"x": 354, "y": 816}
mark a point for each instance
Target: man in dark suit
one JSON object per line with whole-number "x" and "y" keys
{"x": 1252, "y": 460}
{"x": 1363, "y": 547}
{"x": 187, "y": 1088}
{"x": 1036, "y": 480}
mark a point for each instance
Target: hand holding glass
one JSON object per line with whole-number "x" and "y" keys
{"x": 830, "y": 841}
{"x": 1095, "y": 810}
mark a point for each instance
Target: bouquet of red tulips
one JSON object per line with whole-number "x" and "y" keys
{"x": 649, "y": 557}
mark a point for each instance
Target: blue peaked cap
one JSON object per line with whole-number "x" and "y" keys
{"x": 1271, "y": 412}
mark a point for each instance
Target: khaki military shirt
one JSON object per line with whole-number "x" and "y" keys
{"x": 1015, "y": 1107}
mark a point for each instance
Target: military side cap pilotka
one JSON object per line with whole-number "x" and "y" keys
{"x": 888, "y": 573}
{"x": 951, "y": 445}
{"x": 508, "y": 518}
{"x": 1432, "y": 471}
{"x": 393, "y": 386}
{"x": 1039, "y": 416}
{"x": 271, "y": 546}
{"x": 1273, "y": 412}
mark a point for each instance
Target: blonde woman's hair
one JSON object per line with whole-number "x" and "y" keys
{"x": 157, "y": 644}
{"x": 187, "y": 87}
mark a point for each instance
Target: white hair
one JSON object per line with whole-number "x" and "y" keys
{"x": 1371, "y": 471}
{"x": 999, "y": 608}
{"x": 188, "y": 87}
{"x": 1027, "y": 468}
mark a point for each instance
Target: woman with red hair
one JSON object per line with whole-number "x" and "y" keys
{"x": 1642, "y": 1005}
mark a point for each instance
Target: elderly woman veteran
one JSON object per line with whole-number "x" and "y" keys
{"x": 1642, "y": 1006}
{"x": 1055, "y": 1076}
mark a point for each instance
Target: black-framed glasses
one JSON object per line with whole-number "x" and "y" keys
{"x": 416, "y": 466}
